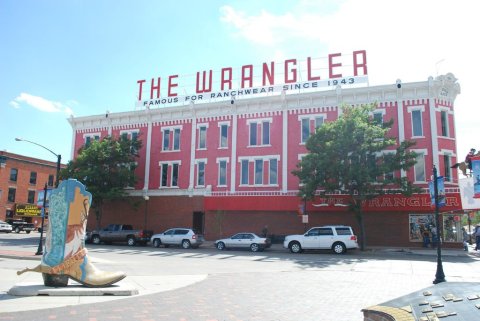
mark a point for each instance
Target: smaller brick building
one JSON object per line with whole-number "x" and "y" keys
{"x": 21, "y": 178}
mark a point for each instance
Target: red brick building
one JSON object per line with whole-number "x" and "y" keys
{"x": 224, "y": 166}
{"x": 21, "y": 178}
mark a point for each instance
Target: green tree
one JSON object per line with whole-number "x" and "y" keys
{"x": 354, "y": 155}
{"x": 106, "y": 168}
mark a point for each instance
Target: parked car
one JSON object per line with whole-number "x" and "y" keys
{"x": 5, "y": 227}
{"x": 244, "y": 241}
{"x": 20, "y": 225}
{"x": 337, "y": 238}
{"x": 120, "y": 233}
{"x": 88, "y": 236}
{"x": 184, "y": 237}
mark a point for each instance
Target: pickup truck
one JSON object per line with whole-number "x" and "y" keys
{"x": 120, "y": 233}
{"x": 19, "y": 225}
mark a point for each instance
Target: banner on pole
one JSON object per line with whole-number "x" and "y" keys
{"x": 440, "y": 190}
{"x": 476, "y": 176}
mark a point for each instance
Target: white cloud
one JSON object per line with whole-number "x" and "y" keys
{"x": 41, "y": 104}
{"x": 261, "y": 29}
{"x": 408, "y": 40}
{"x": 14, "y": 104}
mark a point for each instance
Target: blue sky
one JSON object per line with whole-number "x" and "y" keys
{"x": 85, "y": 57}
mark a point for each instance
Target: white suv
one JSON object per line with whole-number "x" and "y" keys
{"x": 183, "y": 237}
{"x": 338, "y": 238}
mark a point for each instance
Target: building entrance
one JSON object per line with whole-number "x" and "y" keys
{"x": 198, "y": 222}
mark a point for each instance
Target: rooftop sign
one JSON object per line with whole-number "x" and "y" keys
{"x": 291, "y": 75}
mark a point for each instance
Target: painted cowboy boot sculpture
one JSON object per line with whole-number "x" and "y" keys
{"x": 65, "y": 255}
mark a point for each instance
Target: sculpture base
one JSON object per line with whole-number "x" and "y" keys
{"x": 55, "y": 280}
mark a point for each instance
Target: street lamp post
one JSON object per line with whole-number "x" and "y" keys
{"x": 40, "y": 244}
{"x": 59, "y": 159}
{"x": 305, "y": 213}
{"x": 439, "y": 275}
{"x": 146, "y": 198}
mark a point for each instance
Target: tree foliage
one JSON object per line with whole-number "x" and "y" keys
{"x": 354, "y": 155}
{"x": 106, "y": 168}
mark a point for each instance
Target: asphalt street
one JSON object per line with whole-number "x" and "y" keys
{"x": 206, "y": 284}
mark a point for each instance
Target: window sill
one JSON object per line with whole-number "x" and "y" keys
{"x": 257, "y": 146}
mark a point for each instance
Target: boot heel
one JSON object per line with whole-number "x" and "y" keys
{"x": 55, "y": 280}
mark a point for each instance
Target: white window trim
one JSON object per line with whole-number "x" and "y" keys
{"x": 198, "y": 160}
{"x": 170, "y": 141}
{"x": 260, "y": 121}
{"x": 446, "y": 110}
{"x": 241, "y": 172}
{"x": 451, "y": 154}
{"x": 164, "y": 129}
{"x": 252, "y": 159}
{"x": 129, "y": 132}
{"x": 171, "y": 128}
{"x": 91, "y": 135}
{"x": 227, "y": 160}
{"x": 220, "y": 124}
{"x": 170, "y": 168}
{"x": 379, "y": 111}
{"x": 411, "y": 109}
{"x": 310, "y": 117}
{"x": 269, "y": 164}
{"x": 261, "y": 159}
{"x": 204, "y": 161}
{"x": 447, "y": 152}
{"x": 425, "y": 153}
{"x": 199, "y": 126}
{"x": 417, "y": 107}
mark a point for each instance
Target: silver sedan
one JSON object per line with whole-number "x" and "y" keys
{"x": 244, "y": 241}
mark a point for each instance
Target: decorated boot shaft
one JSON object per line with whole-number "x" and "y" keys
{"x": 65, "y": 255}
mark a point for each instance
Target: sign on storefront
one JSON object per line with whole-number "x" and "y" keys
{"x": 27, "y": 210}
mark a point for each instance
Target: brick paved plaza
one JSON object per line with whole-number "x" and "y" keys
{"x": 239, "y": 285}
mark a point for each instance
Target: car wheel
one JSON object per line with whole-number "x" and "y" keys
{"x": 254, "y": 247}
{"x": 131, "y": 241}
{"x": 96, "y": 239}
{"x": 156, "y": 243}
{"x": 339, "y": 248}
{"x": 28, "y": 232}
{"x": 186, "y": 244}
{"x": 295, "y": 247}
{"x": 220, "y": 246}
{"x": 17, "y": 230}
